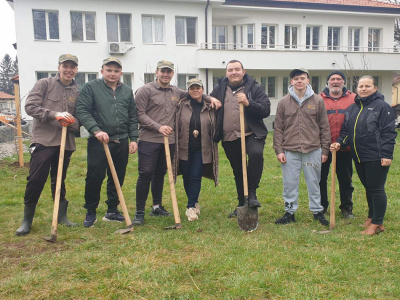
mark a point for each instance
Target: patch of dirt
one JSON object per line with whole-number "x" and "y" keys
{"x": 9, "y": 149}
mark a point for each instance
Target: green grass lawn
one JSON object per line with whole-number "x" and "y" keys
{"x": 207, "y": 259}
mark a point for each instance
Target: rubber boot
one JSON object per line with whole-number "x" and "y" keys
{"x": 253, "y": 201}
{"x": 62, "y": 214}
{"x": 29, "y": 213}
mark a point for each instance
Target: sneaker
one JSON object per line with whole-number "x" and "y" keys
{"x": 197, "y": 208}
{"x": 321, "y": 218}
{"x": 90, "y": 219}
{"x": 114, "y": 216}
{"x": 233, "y": 214}
{"x": 286, "y": 219}
{"x": 191, "y": 214}
{"x": 347, "y": 214}
{"x": 253, "y": 201}
{"x": 139, "y": 218}
{"x": 159, "y": 212}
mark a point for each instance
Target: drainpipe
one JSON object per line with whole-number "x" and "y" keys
{"x": 206, "y": 24}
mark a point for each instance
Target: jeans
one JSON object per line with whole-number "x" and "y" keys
{"x": 344, "y": 172}
{"x": 192, "y": 171}
{"x": 152, "y": 169}
{"x": 97, "y": 165}
{"x": 373, "y": 177}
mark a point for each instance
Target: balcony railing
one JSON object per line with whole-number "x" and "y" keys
{"x": 313, "y": 48}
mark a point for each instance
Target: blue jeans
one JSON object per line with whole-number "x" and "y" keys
{"x": 192, "y": 171}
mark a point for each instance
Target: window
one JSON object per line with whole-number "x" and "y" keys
{"x": 216, "y": 80}
{"x": 127, "y": 79}
{"x": 312, "y": 37}
{"x": 285, "y": 85}
{"x": 333, "y": 38}
{"x": 45, "y": 25}
{"x": 83, "y": 26}
{"x": 268, "y": 36}
{"x": 291, "y": 36}
{"x": 81, "y": 78}
{"x": 243, "y": 36}
{"x": 40, "y": 75}
{"x": 149, "y": 77}
{"x": 268, "y": 83}
{"x": 354, "y": 39}
{"x": 315, "y": 84}
{"x": 153, "y": 29}
{"x": 183, "y": 79}
{"x": 373, "y": 39}
{"x": 118, "y": 27}
{"x": 185, "y": 30}
{"x": 219, "y": 37}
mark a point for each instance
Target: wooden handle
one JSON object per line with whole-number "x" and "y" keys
{"x": 58, "y": 182}
{"x": 171, "y": 181}
{"x": 117, "y": 185}
{"x": 333, "y": 190}
{"x": 243, "y": 144}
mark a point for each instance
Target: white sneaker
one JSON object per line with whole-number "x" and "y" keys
{"x": 191, "y": 214}
{"x": 197, "y": 208}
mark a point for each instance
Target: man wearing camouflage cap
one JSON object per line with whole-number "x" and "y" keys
{"x": 51, "y": 103}
{"x": 107, "y": 110}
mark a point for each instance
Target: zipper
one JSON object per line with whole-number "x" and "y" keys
{"x": 354, "y": 136}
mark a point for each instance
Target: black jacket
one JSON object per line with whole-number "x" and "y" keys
{"x": 369, "y": 129}
{"x": 258, "y": 109}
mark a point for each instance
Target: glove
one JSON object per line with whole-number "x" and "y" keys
{"x": 65, "y": 118}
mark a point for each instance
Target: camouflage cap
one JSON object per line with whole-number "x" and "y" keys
{"x": 165, "y": 64}
{"x": 299, "y": 71}
{"x": 67, "y": 57}
{"x": 194, "y": 81}
{"x": 112, "y": 60}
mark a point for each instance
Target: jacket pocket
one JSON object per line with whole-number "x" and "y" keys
{"x": 372, "y": 122}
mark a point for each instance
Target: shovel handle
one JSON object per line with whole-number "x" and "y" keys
{"x": 243, "y": 144}
{"x": 117, "y": 185}
{"x": 171, "y": 182}
{"x": 58, "y": 182}
{"x": 332, "y": 219}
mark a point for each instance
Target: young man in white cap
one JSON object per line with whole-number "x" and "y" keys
{"x": 107, "y": 110}
{"x": 301, "y": 142}
{"x": 51, "y": 103}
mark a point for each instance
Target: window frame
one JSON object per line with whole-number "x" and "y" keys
{"x": 331, "y": 36}
{"x": 310, "y": 36}
{"x": 49, "y": 74}
{"x": 371, "y": 40}
{"x": 267, "y": 44}
{"x": 119, "y": 27}
{"x": 216, "y": 43}
{"x": 47, "y": 24}
{"x": 351, "y": 39}
{"x": 153, "y": 29}
{"x": 84, "y": 25}
{"x": 185, "y": 30}
{"x": 291, "y": 45}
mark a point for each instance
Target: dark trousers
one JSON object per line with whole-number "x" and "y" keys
{"x": 344, "y": 173}
{"x": 254, "y": 150}
{"x": 373, "y": 177}
{"x": 152, "y": 169}
{"x": 192, "y": 171}
{"x": 97, "y": 166}
{"x": 44, "y": 160}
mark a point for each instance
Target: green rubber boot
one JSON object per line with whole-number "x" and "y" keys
{"x": 62, "y": 214}
{"x": 29, "y": 213}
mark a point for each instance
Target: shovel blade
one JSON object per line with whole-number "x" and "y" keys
{"x": 176, "y": 226}
{"x": 51, "y": 238}
{"x": 247, "y": 218}
{"x": 125, "y": 230}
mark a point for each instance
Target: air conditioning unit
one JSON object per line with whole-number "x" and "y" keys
{"x": 117, "y": 48}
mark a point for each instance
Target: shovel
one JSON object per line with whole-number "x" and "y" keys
{"x": 54, "y": 223}
{"x": 172, "y": 187}
{"x": 247, "y": 216}
{"x": 129, "y": 225}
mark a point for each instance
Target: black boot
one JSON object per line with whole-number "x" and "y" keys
{"x": 253, "y": 201}
{"x": 29, "y": 213}
{"x": 62, "y": 214}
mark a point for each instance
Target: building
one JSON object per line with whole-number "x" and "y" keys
{"x": 7, "y": 103}
{"x": 270, "y": 37}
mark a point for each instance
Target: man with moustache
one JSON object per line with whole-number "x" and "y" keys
{"x": 337, "y": 98}
{"x": 107, "y": 110}
{"x": 234, "y": 89}
{"x": 51, "y": 103}
{"x": 301, "y": 142}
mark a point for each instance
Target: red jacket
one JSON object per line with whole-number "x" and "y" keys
{"x": 335, "y": 109}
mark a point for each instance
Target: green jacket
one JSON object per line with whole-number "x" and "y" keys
{"x": 100, "y": 108}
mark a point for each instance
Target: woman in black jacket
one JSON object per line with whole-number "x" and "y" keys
{"x": 369, "y": 129}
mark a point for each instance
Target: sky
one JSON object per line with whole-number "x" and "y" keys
{"x": 7, "y": 30}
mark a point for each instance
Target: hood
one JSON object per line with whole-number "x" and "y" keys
{"x": 308, "y": 94}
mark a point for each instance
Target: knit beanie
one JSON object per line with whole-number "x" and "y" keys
{"x": 337, "y": 73}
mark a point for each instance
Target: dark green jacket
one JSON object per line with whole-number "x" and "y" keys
{"x": 100, "y": 108}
